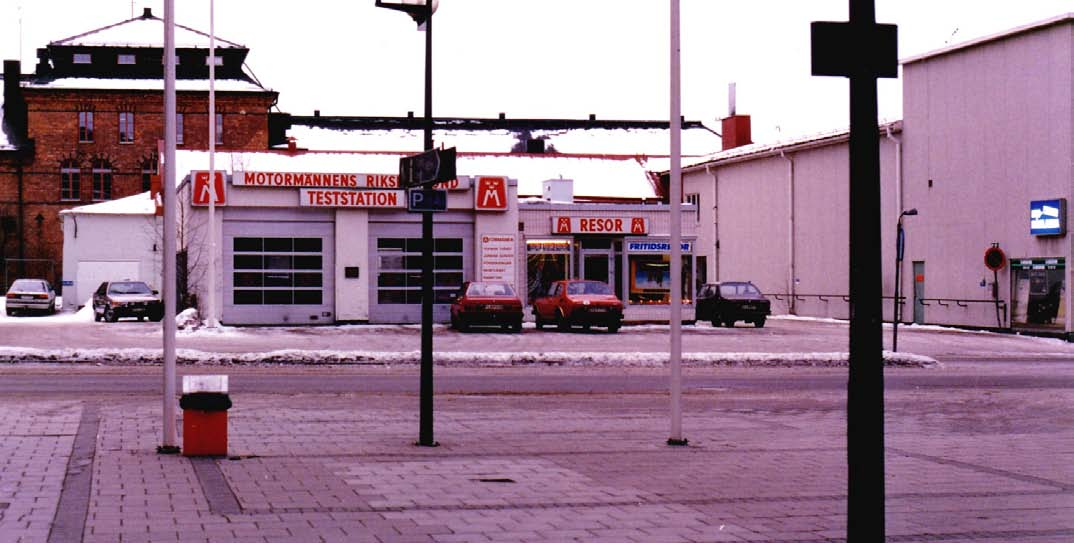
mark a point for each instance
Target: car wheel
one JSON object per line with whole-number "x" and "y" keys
{"x": 538, "y": 322}
{"x": 759, "y": 323}
{"x": 716, "y": 322}
{"x": 730, "y": 323}
{"x": 96, "y": 316}
{"x": 517, "y": 327}
{"x": 156, "y": 317}
{"x": 110, "y": 315}
{"x": 613, "y": 328}
{"x": 463, "y": 326}
{"x": 561, "y": 322}
{"x": 10, "y": 312}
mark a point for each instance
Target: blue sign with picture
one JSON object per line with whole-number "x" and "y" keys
{"x": 1048, "y": 217}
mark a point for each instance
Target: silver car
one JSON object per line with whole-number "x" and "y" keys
{"x": 30, "y": 295}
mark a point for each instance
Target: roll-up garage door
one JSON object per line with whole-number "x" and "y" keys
{"x": 396, "y": 251}
{"x": 278, "y": 272}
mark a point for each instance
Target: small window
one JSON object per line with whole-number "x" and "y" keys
{"x": 178, "y": 128}
{"x": 85, "y": 127}
{"x": 70, "y": 181}
{"x": 149, "y": 169}
{"x": 219, "y": 128}
{"x": 126, "y": 59}
{"x": 126, "y": 127}
{"x": 83, "y": 58}
{"x": 695, "y": 199}
{"x": 219, "y": 60}
{"x": 102, "y": 180}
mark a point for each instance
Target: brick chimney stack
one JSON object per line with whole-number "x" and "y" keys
{"x": 736, "y": 128}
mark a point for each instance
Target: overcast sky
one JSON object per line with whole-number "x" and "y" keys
{"x": 545, "y": 59}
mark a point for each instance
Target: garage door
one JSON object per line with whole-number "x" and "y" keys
{"x": 91, "y": 273}
{"x": 278, "y": 273}
{"x": 396, "y": 250}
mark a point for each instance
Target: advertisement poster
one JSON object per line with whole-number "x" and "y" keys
{"x": 498, "y": 258}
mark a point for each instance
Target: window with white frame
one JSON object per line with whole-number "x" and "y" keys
{"x": 696, "y": 200}
{"x": 178, "y": 128}
{"x": 85, "y": 126}
{"x": 126, "y": 127}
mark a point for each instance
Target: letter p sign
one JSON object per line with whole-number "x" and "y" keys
{"x": 491, "y": 194}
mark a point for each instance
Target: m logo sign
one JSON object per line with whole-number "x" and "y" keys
{"x": 203, "y": 192}
{"x": 491, "y": 194}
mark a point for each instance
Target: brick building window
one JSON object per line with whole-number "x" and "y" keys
{"x": 126, "y": 127}
{"x": 85, "y": 126}
{"x": 83, "y": 58}
{"x": 126, "y": 59}
{"x": 219, "y": 128}
{"x": 149, "y": 169}
{"x": 70, "y": 181}
{"x": 102, "y": 179}
{"x": 178, "y": 128}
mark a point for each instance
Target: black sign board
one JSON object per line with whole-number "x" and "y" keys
{"x": 427, "y": 168}
{"x": 426, "y": 200}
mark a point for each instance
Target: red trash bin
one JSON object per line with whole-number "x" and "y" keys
{"x": 205, "y": 403}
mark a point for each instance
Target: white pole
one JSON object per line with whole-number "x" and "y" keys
{"x": 675, "y": 199}
{"x": 170, "y": 443}
{"x": 211, "y": 319}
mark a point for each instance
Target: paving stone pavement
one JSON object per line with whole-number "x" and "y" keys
{"x": 519, "y": 468}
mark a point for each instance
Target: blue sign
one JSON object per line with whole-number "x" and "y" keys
{"x": 426, "y": 200}
{"x": 1048, "y": 217}
{"x": 654, "y": 247}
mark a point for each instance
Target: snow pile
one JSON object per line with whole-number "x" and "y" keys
{"x": 465, "y": 359}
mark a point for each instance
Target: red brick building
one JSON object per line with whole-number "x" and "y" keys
{"x": 84, "y": 127}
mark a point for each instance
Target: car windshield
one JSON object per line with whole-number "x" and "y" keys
{"x": 490, "y": 289}
{"x": 738, "y": 289}
{"x": 29, "y": 285}
{"x": 588, "y": 287}
{"x": 129, "y": 287}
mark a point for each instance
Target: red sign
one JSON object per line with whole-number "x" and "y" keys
{"x": 203, "y": 192}
{"x": 351, "y": 198}
{"x": 332, "y": 180}
{"x": 600, "y": 225}
{"x": 491, "y": 194}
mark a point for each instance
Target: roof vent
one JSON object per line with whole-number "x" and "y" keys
{"x": 147, "y": 13}
{"x": 592, "y": 116}
{"x": 558, "y": 190}
{"x": 503, "y": 115}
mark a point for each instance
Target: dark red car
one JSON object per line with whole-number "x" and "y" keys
{"x": 579, "y": 302}
{"x": 486, "y": 303}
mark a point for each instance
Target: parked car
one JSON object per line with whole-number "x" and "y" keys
{"x": 579, "y": 302}
{"x": 486, "y": 303}
{"x": 117, "y": 299}
{"x": 30, "y": 295}
{"x": 731, "y": 301}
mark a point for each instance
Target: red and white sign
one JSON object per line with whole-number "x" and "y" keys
{"x": 351, "y": 198}
{"x": 491, "y": 194}
{"x": 203, "y": 192}
{"x": 498, "y": 253}
{"x": 333, "y": 180}
{"x": 600, "y": 225}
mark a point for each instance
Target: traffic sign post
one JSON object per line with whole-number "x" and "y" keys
{"x": 422, "y": 200}
{"x": 432, "y": 166}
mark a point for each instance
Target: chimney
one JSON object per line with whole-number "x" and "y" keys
{"x": 503, "y": 115}
{"x": 535, "y": 146}
{"x": 736, "y": 128}
{"x": 147, "y": 13}
{"x": 316, "y": 113}
{"x": 14, "y": 114}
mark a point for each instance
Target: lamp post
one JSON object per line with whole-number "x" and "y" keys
{"x": 422, "y": 13}
{"x": 900, "y": 243}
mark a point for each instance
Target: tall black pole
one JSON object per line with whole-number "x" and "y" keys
{"x": 425, "y": 435}
{"x": 865, "y": 391}
{"x": 896, "y": 308}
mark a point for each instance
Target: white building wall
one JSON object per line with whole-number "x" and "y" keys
{"x": 97, "y": 246}
{"x": 988, "y": 129}
{"x": 352, "y": 250}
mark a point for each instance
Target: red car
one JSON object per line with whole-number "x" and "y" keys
{"x": 577, "y": 301}
{"x": 486, "y": 303}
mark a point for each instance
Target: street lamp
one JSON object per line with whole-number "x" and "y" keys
{"x": 900, "y": 243}
{"x": 422, "y": 13}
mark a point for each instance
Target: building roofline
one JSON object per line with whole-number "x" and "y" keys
{"x": 471, "y": 123}
{"x": 1053, "y": 21}
{"x": 755, "y": 151}
{"x": 146, "y": 15}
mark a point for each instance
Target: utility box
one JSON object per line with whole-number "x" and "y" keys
{"x": 205, "y": 402}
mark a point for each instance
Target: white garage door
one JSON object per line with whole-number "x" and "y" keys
{"x": 91, "y": 273}
{"x": 278, "y": 272}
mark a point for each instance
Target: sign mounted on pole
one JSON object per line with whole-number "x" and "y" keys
{"x": 432, "y": 166}
{"x": 421, "y": 200}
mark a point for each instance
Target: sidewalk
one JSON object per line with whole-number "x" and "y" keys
{"x": 541, "y": 468}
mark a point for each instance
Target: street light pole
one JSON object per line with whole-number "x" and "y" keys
{"x": 900, "y": 243}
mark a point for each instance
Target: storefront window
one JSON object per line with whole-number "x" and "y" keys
{"x": 1038, "y": 297}
{"x": 547, "y": 261}
{"x": 650, "y": 279}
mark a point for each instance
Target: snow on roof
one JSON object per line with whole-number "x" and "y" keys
{"x": 1058, "y": 19}
{"x": 139, "y": 204}
{"x": 578, "y": 141}
{"x": 143, "y": 31}
{"x": 222, "y": 85}
{"x": 757, "y": 149}
{"x": 609, "y": 177}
